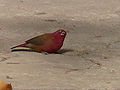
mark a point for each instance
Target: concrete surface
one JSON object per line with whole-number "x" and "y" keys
{"x": 89, "y": 59}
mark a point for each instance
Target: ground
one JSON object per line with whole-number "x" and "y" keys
{"x": 89, "y": 58}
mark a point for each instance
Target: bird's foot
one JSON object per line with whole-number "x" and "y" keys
{"x": 45, "y": 53}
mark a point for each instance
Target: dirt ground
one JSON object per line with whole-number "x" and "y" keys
{"x": 89, "y": 59}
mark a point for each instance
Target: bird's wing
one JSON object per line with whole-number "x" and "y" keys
{"x": 39, "y": 40}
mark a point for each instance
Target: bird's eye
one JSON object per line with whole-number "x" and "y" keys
{"x": 62, "y": 33}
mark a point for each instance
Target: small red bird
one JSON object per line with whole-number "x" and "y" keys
{"x": 49, "y": 42}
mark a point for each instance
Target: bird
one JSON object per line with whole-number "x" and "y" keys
{"x": 48, "y": 42}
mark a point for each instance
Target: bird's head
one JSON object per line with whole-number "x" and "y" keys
{"x": 61, "y": 32}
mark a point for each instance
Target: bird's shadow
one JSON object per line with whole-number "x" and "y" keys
{"x": 30, "y": 50}
{"x": 64, "y": 51}
{"x": 26, "y": 50}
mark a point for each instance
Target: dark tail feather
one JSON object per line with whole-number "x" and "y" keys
{"x": 21, "y": 45}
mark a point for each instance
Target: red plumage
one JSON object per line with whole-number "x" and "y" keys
{"x": 49, "y": 42}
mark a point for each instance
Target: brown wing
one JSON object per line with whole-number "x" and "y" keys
{"x": 39, "y": 40}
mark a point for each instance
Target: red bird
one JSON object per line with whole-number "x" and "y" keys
{"x": 49, "y": 42}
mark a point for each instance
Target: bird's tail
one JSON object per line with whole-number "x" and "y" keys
{"x": 21, "y": 45}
